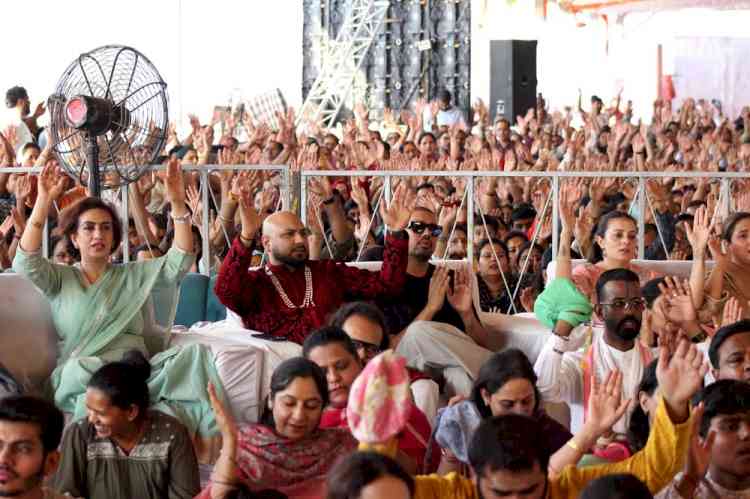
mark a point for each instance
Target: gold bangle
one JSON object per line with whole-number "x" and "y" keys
{"x": 573, "y": 445}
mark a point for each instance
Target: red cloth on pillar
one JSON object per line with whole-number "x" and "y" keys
{"x": 667, "y": 87}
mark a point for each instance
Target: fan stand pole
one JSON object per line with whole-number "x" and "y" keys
{"x": 92, "y": 160}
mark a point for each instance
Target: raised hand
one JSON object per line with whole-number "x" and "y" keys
{"x": 359, "y": 195}
{"x": 244, "y": 188}
{"x": 195, "y": 123}
{"x": 224, "y": 419}
{"x": 321, "y": 187}
{"x": 719, "y": 255}
{"x": 570, "y": 195}
{"x": 700, "y": 232}
{"x": 396, "y": 216}
{"x": 174, "y": 182}
{"x": 680, "y": 376}
{"x": 606, "y": 405}
{"x": 459, "y": 296}
{"x": 699, "y": 451}
{"x": 438, "y": 289}
{"x": 193, "y": 200}
{"x": 447, "y": 215}
{"x": 23, "y": 187}
{"x": 678, "y": 304}
{"x": 732, "y": 312}
{"x": 50, "y": 183}
{"x": 145, "y": 183}
{"x": 39, "y": 110}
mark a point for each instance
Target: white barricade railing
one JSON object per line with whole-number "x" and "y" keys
{"x": 644, "y": 202}
{"x": 290, "y": 183}
{"x": 285, "y": 189}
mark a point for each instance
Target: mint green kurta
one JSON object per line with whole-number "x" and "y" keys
{"x": 96, "y": 324}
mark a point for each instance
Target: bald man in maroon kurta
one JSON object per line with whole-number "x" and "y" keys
{"x": 305, "y": 292}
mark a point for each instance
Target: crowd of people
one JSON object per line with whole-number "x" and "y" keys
{"x": 405, "y": 362}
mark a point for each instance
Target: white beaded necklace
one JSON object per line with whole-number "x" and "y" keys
{"x": 307, "y": 302}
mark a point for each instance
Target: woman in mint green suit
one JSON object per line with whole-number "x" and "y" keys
{"x": 100, "y": 310}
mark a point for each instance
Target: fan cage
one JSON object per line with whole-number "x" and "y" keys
{"x": 125, "y": 77}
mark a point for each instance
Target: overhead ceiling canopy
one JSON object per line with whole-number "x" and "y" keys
{"x": 626, "y": 6}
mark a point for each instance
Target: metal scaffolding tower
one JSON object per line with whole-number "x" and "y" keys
{"x": 342, "y": 59}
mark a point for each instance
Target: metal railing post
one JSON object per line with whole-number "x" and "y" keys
{"x": 555, "y": 213}
{"x": 726, "y": 186}
{"x": 45, "y": 240}
{"x": 303, "y": 199}
{"x": 205, "y": 222}
{"x": 125, "y": 201}
{"x": 641, "y": 218}
{"x": 286, "y": 185}
{"x": 388, "y": 195}
{"x": 470, "y": 220}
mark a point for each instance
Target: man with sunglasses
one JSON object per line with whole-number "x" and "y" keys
{"x": 432, "y": 323}
{"x": 565, "y": 371}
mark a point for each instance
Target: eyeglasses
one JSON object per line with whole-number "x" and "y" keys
{"x": 620, "y": 304}
{"x": 420, "y": 227}
{"x": 370, "y": 349}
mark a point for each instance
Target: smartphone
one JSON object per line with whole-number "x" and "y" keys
{"x": 451, "y": 279}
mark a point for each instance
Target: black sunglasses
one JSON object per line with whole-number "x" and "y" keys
{"x": 420, "y": 227}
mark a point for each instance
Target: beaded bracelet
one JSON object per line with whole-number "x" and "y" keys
{"x": 182, "y": 219}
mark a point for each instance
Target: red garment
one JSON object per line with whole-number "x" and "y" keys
{"x": 416, "y": 375}
{"x": 297, "y": 468}
{"x": 251, "y": 295}
{"x": 414, "y": 440}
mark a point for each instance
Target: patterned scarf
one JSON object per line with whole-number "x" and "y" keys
{"x": 267, "y": 460}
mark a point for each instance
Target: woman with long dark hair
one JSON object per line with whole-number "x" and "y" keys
{"x": 506, "y": 384}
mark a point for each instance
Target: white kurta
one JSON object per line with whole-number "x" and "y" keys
{"x": 561, "y": 376}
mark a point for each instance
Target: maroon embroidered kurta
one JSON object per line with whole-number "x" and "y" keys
{"x": 251, "y": 294}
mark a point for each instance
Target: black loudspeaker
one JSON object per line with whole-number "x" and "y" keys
{"x": 512, "y": 78}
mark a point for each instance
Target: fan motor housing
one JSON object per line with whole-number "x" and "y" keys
{"x": 96, "y": 115}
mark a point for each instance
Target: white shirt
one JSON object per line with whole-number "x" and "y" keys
{"x": 444, "y": 118}
{"x": 23, "y": 134}
{"x": 560, "y": 377}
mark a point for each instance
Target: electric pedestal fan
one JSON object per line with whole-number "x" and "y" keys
{"x": 108, "y": 117}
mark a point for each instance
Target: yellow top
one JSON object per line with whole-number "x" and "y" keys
{"x": 656, "y": 465}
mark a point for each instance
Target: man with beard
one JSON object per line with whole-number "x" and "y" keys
{"x": 30, "y": 432}
{"x": 432, "y": 323}
{"x": 291, "y": 295}
{"x": 26, "y": 128}
{"x": 566, "y": 372}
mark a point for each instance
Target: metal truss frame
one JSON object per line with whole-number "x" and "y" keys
{"x": 342, "y": 60}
